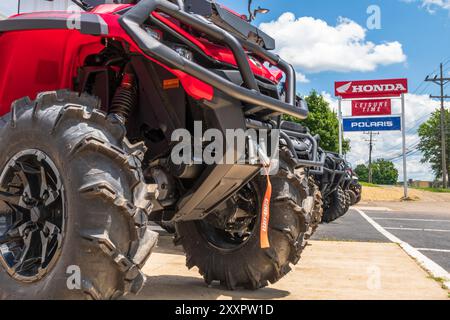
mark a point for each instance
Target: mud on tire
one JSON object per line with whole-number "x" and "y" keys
{"x": 106, "y": 201}
{"x": 335, "y": 206}
{"x": 353, "y": 198}
{"x": 348, "y": 200}
{"x": 317, "y": 211}
{"x": 247, "y": 265}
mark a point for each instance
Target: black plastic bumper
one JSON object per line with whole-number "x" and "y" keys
{"x": 133, "y": 20}
{"x": 333, "y": 173}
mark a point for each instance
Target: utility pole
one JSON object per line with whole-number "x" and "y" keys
{"x": 441, "y": 81}
{"x": 371, "y": 141}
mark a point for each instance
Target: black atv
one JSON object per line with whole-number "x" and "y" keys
{"x": 333, "y": 182}
{"x": 354, "y": 189}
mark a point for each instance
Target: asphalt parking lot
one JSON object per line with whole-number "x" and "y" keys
{"x": 428, "y": 231}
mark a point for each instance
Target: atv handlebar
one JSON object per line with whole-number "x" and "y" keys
{"x": 133, "y": 20}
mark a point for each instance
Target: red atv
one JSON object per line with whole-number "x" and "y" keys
{"x": 85, "y": 162}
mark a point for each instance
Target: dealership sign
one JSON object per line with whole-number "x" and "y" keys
{"x": 372, "y": 124}
{"x": 371, "y": 88}
{"x": 372, "y": 107}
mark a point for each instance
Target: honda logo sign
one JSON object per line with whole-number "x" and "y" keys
{"x": 371, "y": 88}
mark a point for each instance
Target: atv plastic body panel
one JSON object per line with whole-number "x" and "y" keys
{"x": 44, "y": 51}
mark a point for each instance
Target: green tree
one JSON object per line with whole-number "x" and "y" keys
{"x": 324, "y": 122}
{"x": 430, "y": 142}
{"x": 384, "y": 172}
{"x": 362, "y": 171}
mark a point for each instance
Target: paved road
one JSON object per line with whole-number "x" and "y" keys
{"x": 345, "y": 269}
{"x": 429, "y": 232}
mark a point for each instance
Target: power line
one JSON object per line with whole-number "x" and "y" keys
{"x": 414, "y": 149}
{"x": 410, "y": 149}
{"x": 419, "y": 121}
{"x": 442, "y": 81}
{"x": 412, "y": 153}
{"x": 427, "y": 84}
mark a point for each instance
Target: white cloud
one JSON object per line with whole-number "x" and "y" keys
{"x": 331, "y": 100}
{"x": 431, "y": 5}
{"x": 301, "y": 77}
{"x": 312, "y": 45}
{"x": 389, "y": 144}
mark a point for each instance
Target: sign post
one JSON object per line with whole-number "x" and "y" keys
{"x": 405, "y": 174}
{"x": 340, "y": 125}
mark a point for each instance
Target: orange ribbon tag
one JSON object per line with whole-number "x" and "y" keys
{"x": 265, "y": 215}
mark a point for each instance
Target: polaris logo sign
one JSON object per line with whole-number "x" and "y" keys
{"x": 372, "y": 124}
{"x": 371, "y": 88}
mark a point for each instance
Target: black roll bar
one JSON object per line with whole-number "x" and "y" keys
{"x": 276, "y": 60}
{"x": 314, "y": 161}
{"x": 133, "y": 20}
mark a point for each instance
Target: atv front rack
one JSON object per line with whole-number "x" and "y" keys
{"x": 302, "y": 145}
{"x": 133, "y": 20}
{"x": 332, "y": 174}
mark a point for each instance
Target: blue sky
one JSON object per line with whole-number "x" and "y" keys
{"x": 423, "y": 35}
{"x": 421, "y": 29}
{"x": 328, "y": 40}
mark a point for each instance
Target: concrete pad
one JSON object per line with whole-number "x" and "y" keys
{"x": 327, "y": 271}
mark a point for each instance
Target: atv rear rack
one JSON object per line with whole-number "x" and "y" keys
{"x": 134, "y": 18}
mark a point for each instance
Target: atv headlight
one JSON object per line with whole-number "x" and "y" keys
{"x": 156, "y": 34}
{"x": 301, "y": 103}
{"x": 184, "y": 52}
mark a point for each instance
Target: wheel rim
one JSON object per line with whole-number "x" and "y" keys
{"x": 241, "y": 225}
{"x": 32, "y": 215}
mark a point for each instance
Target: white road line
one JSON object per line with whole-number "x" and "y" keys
{"x": 406, "y": 219}
{"x": 434, "y": 250}
{"x": 374, "y": 209}
{"x": 416, "y": 229}
{"x": 432, "y": 267}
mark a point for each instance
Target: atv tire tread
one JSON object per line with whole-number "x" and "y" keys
{"x": 348, "y": 201}
{"x": 336, "y": 207}
{"x": 107, "y": 194}
{"x": 250, "y": 266}
{"x": 353, "y": 198}
{"x": 317, "y": 213}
